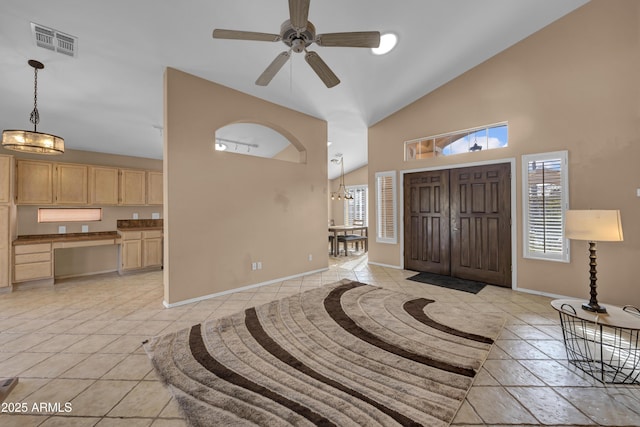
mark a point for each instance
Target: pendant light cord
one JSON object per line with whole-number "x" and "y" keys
{"x": 35, "y": 116}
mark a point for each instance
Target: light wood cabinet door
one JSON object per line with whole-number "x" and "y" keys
{"x": 131, "y": 254}
{"x": 103, "y": 185}
{"x": 34, "y": 182}
{"x": 5, "y": 247}
{"x": 132, "y": 187}
{"x": 154, "y": 188}
{"x": 5, "y": 178}
{"x": 71, "y": 184}
{"x": 152, "y": 252}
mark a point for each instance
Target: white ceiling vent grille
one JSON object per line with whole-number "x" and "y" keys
{"x": 54, "y": 40}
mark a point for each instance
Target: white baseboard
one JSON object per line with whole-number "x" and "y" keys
{"x": 244, "y": 288}
{"x": 397, "y": 267}
{"x": 542, "y": 294}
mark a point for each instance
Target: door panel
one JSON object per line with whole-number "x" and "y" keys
{"x": 427, "y": 222}
{"x": 481, "y": 223}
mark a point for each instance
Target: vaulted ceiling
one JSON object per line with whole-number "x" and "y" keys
{"x": 109, "y": 97}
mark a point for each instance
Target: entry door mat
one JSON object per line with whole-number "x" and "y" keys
{"x": 464, "y": 285}
{"x": 344, "y": 354}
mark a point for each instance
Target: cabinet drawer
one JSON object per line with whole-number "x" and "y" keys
{"x": 131, "y": 235}
{"x": 36, "y": 270}
{"x": 31, "y": 249}
{"x": 38, "y": 257}
{"x": 151, "y": 234}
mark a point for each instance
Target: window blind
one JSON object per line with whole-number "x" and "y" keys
{"x": 386, "y": 207}
{"x": 356, "y": 208}
{"x": 546, "y": 196}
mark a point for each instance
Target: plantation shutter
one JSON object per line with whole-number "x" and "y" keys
{"x": 356, "y": 208}
{"x": 545, "y": 204}
{"x": 386, "y": 207}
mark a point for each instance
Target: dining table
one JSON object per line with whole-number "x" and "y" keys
{"x": 344, "y": 229}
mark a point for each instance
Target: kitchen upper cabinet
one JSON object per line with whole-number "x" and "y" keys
{"x": 154, "y": 188}
{"x": 71, "y": 184}
{"x": 5, "y": 178}
{"x": 34, "y": 182}
{"x": 103, "y": 185}
{"x": 133, "y": 187}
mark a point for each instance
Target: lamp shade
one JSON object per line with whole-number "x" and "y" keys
{"x": 32, "y": 142}
{"x": 593, "y": 225}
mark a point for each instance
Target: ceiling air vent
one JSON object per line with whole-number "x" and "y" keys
{"x": 51, "y": 39}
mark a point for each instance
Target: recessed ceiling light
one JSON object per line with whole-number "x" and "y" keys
{"x": 329, "y": 143}
{"x": 387, "y": 42}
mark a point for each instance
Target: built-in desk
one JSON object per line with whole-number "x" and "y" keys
{"x": 33, "y": 255}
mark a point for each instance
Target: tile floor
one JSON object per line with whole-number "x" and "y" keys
{"x": 80, "y": 343}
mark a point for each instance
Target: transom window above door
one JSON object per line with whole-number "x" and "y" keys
{"x": 464, "y": 141}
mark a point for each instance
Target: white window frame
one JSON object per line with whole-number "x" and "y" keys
{"x": 563, "y": 255}
{"x": 353, "y": 189}
{"x": 381, "y": 235}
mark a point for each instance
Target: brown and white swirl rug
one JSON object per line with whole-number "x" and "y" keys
{"x": 345, "y": 354}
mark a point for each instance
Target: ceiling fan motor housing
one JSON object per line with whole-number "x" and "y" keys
{"x": 297, "y": 41}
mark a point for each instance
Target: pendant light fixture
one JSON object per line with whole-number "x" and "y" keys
{"x": 342, "y": 192}
{"x": 33, "y": 141}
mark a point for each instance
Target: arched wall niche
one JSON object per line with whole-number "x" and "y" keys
{"x": 259, "y": 139}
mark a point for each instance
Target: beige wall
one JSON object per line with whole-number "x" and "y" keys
{"x": 571, "y": 86}
{"x": 80, "y": 261}
{"x": 359, "y": 176}
{"x": 225, "y": 211}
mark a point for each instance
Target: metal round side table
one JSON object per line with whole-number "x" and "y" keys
{"x": 604, "y": 345}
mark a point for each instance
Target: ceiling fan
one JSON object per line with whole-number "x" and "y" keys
{"x": 298, "y": 33}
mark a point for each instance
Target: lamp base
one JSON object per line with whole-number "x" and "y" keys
{"x": 596, "y": 308}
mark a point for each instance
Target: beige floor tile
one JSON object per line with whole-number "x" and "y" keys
{"x": 58, "y": 390}
{"x": 25, "y": 387}
{"x": 55, "y": 365}
{"x": 125, "y": 344}
{"x": 147, "y": 399}
{"x": 101, "y": 397}
{"x": 62, "y": 421}
{"x": 125, "y": 422}
{"x": 602, "y": 406}
{"x": 57, "y": 343}
{"x": 133, "y": 367}
{"x": 13, "y": 366}
{"x": 494, "y": 405}
{"x": 94, "y": 366}
{"x": 11, "y": 420}
{"x": 548, "y": 406}
{"x": 467, "y": 416}
{"x": 91, "y": 344}
{"x": 520, "y": 349}
{"x": 169, "y": 423}
{"x": 511, "y": 373}
{"x": 556, "y": 374}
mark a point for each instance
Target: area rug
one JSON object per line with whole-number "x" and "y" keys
{"x": 455, "y": 283}
{"x": 345, "y": 354}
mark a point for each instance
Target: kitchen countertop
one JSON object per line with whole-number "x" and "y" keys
{"x": 66, "y": 237}
{"x": 139, "y": 224}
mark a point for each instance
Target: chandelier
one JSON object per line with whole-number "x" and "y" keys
{"x": 33, "y": 141}
{"x": 342, "y": 192}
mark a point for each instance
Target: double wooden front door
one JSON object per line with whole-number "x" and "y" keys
{"x": 457, "y": 222}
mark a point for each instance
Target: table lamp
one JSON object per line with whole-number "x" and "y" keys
{"x": 593, "y": 225}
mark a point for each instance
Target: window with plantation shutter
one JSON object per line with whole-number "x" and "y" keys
{"x": 545, "y": 199}
{"x": 356, "y": 208}
{"x": 386, "y": 227}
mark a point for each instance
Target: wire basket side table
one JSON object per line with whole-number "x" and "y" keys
{"x": 605, "y": 346}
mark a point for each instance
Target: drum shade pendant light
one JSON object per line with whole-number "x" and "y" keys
{"x": 33, "y": 141}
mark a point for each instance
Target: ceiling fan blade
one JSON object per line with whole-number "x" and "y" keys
{"x": 354, "y": 39}
{"x": 299, "y": 13}
{"x": 273, "y": 68}
{"x": 245, "y": 35}
{"x": 322, "y": 69}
